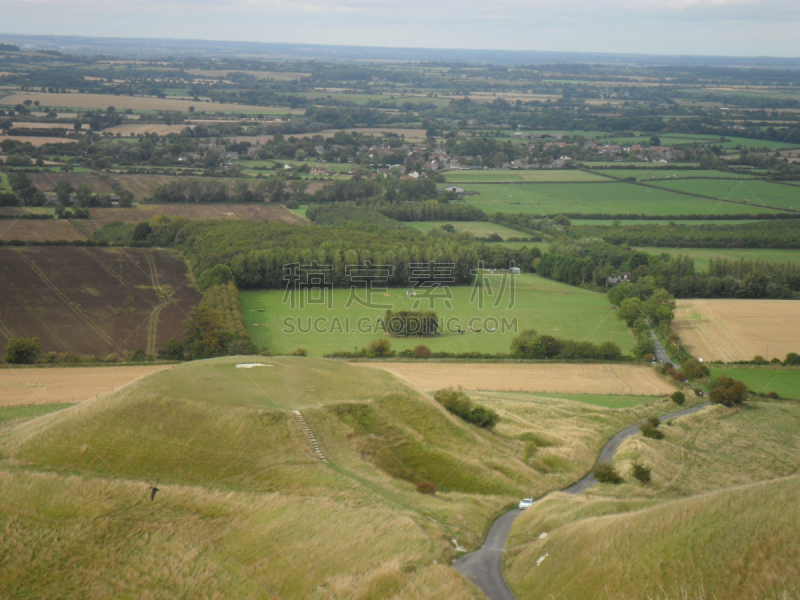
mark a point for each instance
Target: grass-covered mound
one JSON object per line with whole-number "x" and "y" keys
{"x": 245, "y": 509}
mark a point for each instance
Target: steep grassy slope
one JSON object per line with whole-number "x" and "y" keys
{"x": 245, "y": 509}
{"x": 733, "y": 543}
{"x": 719, "y": 518}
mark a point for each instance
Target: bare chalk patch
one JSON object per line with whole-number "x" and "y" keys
{"x": 252, "y": 365}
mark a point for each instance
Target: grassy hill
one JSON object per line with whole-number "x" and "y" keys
{"x": 718, "y": 519}
{"x": 688, "y": 548}
{"x": 245, "y": 509}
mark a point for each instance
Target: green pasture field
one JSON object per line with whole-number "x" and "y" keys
{"x": 543, "y": 246}
{"x": 300, "y": 212}
{"x": 521, "y": 176}
{"x": 606, "y": 401}
{"x": 751, "y": 143}
{"x": 690, "y": 222}
{"x": 784, "y": 381}
{"x": 757, "y": 192}
{"x": 627, "y": 164}
{"x": 590, "y": 198}
{"x": 645, "y": 174}
{"x": 4, "y": 182}
{"x": 702, "y": 256}
{"x": 549, "y": 307}
{"x": 477, "y": 228}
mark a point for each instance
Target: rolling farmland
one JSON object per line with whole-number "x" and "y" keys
{"x": 65, "y": 385}
{"x": 94, "y": 301}
{"x": 766, "y": 193}
{"x": 614, "y": 380}
{"x": 550, "y": 307}
{"x": 39, "y": 231}
{"x": 138, "y": 103}
{"x": 730, "y": 330}
{"x": 590, "y": 198}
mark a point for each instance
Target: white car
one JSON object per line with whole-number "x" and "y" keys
{"x": 526, "y": 503}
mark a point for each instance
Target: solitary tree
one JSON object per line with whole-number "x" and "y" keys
{"x": 23, "y": 351}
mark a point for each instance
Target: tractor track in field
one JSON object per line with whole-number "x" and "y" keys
{"x": 152, "y": 321}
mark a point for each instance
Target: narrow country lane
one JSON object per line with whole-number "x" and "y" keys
{"x": 484, "y": 567}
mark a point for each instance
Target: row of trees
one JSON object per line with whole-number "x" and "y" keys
{"x": 257, "y": 253}
{"x": 530, "y": 345}
{"x": 590, "y": 263}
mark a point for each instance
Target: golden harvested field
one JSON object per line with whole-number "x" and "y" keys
{"x": 730, "y": 330}
{"x": 51, "y": 386}
{"x": 36, "y": 140}
{"x": 39, "y": 231}
{"x": 543, "y": 378}
{"x": 121, "y": 103}
{"x": 142, "y": 128}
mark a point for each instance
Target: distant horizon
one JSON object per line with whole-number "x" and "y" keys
{"x": 103, "y": 45}
{"x": 712, "y": 28}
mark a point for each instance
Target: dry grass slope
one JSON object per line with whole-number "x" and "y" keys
{"x": 689, "y": 544}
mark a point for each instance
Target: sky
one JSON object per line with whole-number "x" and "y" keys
{"x": 682, "y": 27}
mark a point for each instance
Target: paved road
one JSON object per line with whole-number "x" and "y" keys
{"x": 661, "y": 354}
{"x": 484, "y": 567}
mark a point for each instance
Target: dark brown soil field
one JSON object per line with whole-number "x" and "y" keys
{"x": 195, "y": 212}
{"x": 94, "y": 300}
{"x": 39, "y": 231}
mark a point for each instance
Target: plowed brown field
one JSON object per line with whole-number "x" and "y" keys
{"x": 51, "y": 386}
{"x": 94, "y": 300}
{"x": 730, "y": 330}
{"x": 543, "y": 378}
{"x": 39, "y": 231}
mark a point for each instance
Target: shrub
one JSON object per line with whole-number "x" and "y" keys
{"x": 640, "y": 473}
{"x": 679, "y": 398}
{"x": 379, "y": 349}
{"x": 299, "y": 352}
{"x": 426, "y": 487}
{"x": 139, "y": 356}
{"x": 774, "y": 395}
{"x": 606, "y": 473}
{"x": 173, "y": 350}
{"x": 792, "y": 359}
{"x": 694, "y": 369}
{"x": 422, "y": 351}
{"x": 23, "y": 351}
{"x": 651, "y": 431}
{"x": 458, "y": 403}
{"x": 407, "y": 323}
{"x": 728, "y": 392}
